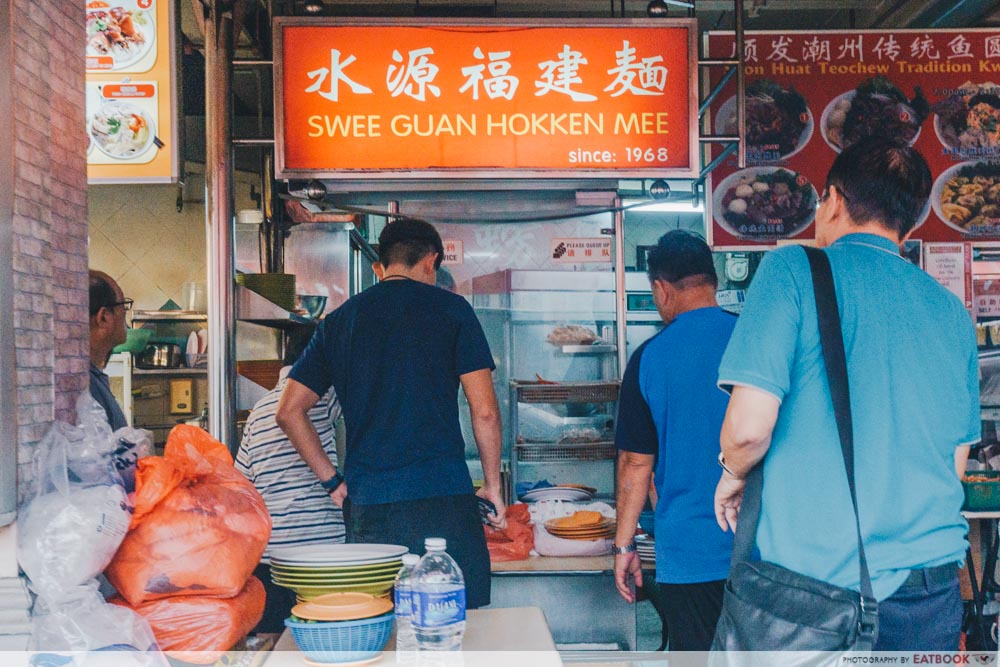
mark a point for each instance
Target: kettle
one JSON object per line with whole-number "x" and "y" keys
{"x": 159, "y": 355}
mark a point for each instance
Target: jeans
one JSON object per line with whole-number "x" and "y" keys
{"x": 924, "y": 614}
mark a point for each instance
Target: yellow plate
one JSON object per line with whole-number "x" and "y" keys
{"x": 342, "y": 607}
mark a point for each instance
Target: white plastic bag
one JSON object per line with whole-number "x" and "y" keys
{"x": 79, "y": 510}
{"x": 547, "y": 544}
{"x": 96, "y": 632}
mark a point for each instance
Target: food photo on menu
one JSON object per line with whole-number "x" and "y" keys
{"x": 778, "y": 120}
{"x": 876, "y": 107}
{"x": 121, "y": 130}
{"x": 765, "y": 203}
{"x": 967, "y": 198}
{"x": 969, "y": 117}
{"x": 124, "y": 32}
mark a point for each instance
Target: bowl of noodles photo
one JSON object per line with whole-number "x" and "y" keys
{"x": 778, "y": 119}
{"x": 966, "y": 197}
{"x": 969, "y": 117}
{"x": 121, "y": 130}
{"x": 875, "y": 108}
{"x": 126, "y": 33}
{"x": 764, "y": 203}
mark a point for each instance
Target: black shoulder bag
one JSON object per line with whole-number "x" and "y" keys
{"x": 767, "y": 607}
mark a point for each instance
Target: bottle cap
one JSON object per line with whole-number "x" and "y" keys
{"x": 435, "y": 544}
{"x": 410, "y": 559}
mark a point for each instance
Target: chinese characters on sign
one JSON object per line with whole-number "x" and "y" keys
{"x": 454, "y": 252}
{"x": 810, "y": 95}
{"x": 531, "y": 97}
{"x": 579, "y": 250}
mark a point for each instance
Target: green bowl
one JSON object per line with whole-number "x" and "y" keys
{"x": 135, "y": 341}
{"x": 982, "y": 494}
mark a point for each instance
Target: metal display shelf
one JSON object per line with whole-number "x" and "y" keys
{"x": 576, "y": 451}
{"x": 565, "y": 392}
{"x": 169, "y": 371}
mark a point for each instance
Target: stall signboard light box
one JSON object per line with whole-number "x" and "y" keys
{"x": 368, "y": 98}
{"x": 131, "y": 91}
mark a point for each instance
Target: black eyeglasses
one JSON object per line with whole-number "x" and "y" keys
{"x": 126, "y": 304}
{"x": 826, "y": 195}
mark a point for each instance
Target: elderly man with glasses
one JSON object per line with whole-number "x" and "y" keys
{"x": 108, "y": 309}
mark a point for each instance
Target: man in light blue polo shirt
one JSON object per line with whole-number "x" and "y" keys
{"x": 913, "y": 373}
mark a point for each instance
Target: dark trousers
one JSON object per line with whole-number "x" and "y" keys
{"x": 279, "y": 603}
{"x": 924, "y": 614}
{"x": 691, "y": 613}
{"x": 407, "y": 523}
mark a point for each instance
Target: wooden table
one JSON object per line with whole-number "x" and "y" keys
{"x": 489, "y": 635}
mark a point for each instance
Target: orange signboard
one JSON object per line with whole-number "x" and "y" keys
{"x": 367, "y": 98}
{"x": 131, "y": 96}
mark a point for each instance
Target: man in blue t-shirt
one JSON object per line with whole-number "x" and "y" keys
{"x": 396, "y": 355}
{"x": 669, "y": 415}
{"x": 913, "y": 373}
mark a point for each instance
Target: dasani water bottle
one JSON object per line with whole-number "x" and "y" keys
{"x": 405, "y": 641}
{"x": 438, "y": 599}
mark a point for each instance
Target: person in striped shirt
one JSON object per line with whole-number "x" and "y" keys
{"x": 302, "y": 512}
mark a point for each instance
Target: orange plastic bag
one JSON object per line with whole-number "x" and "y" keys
{"x": 202, "y": 629}
{"x": 199, "y": 526}
{"x": 516, "y": 540}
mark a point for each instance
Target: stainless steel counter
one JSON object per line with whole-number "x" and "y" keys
{"x": 577, "y": 596}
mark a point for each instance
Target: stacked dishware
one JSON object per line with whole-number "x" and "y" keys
{"x": 645, "y": 545}
{"x": 566, "y": 492}
{"x": 582, "y": 526}
{"x": 316, "y": 570}
{"x": 340, "y": 628}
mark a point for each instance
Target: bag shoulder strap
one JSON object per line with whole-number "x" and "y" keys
{"x": 835, "y": 360}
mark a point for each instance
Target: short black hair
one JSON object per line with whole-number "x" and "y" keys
{"x": 102, "y": 294}
{"x": 680, "y": 255}
{"x": 407, "y": 241}
{"x": 884, "y": 181}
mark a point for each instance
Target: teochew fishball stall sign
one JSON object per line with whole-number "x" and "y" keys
{"x": 131, "y": 92}
{"x": 367, "y": 98}
{"x": 809, "y": 95}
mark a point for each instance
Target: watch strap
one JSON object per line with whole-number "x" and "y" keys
{"x": 331, "y": 484}
{"x": 627, "y": 549}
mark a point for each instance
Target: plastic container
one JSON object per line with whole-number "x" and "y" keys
{"x": 342, "y": 641}
{"x": 405, "y": 639}
{"x": 982, "y": 491}
{"x": 438, "y": 599}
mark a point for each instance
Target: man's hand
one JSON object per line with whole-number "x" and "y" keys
{"x": 728, "y": 496}
{"x": 498, "y": 520}
{"x": 339, "y": 495}
{"x": 627, "y": 566}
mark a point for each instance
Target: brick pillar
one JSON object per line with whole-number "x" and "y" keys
{"x": 42, "y": 43}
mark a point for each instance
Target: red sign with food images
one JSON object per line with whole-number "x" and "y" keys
{"x": 809, "y": 95}
{"x": 364, "y": 98}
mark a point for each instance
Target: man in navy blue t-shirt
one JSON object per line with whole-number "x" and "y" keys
{"x": 396, "y": 355}
{"x": 669, "y": 415}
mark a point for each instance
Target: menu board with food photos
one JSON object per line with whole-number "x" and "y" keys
{"x": 130, "y": 103}
{"x": 811, "y": 94}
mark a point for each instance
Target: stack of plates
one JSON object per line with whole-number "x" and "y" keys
{"x": 646, "y": 547}
{"x": 342, "y": 607}
{"x": 582, "y": 526}
{"x": 572, "y": 494}
{"x": 312, "y": 571}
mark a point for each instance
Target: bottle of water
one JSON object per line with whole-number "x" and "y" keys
{"x": 438, "y": 594}
{"x": 405, "y": 641}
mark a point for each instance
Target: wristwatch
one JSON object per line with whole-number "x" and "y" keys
{"x": 627, "y": 549}
{"x": 331, "y": 484}
{"x": 722, "y": 464}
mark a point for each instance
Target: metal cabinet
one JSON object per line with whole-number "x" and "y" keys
{"x": 564, "y": 433}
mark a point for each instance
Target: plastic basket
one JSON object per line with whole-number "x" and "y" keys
{"x": 982, "y": 491}
{"x": 342, "y": 641}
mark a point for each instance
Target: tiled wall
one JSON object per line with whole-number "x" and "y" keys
{"x": 49, "y": 223}
{"x": 140, "y": 239}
